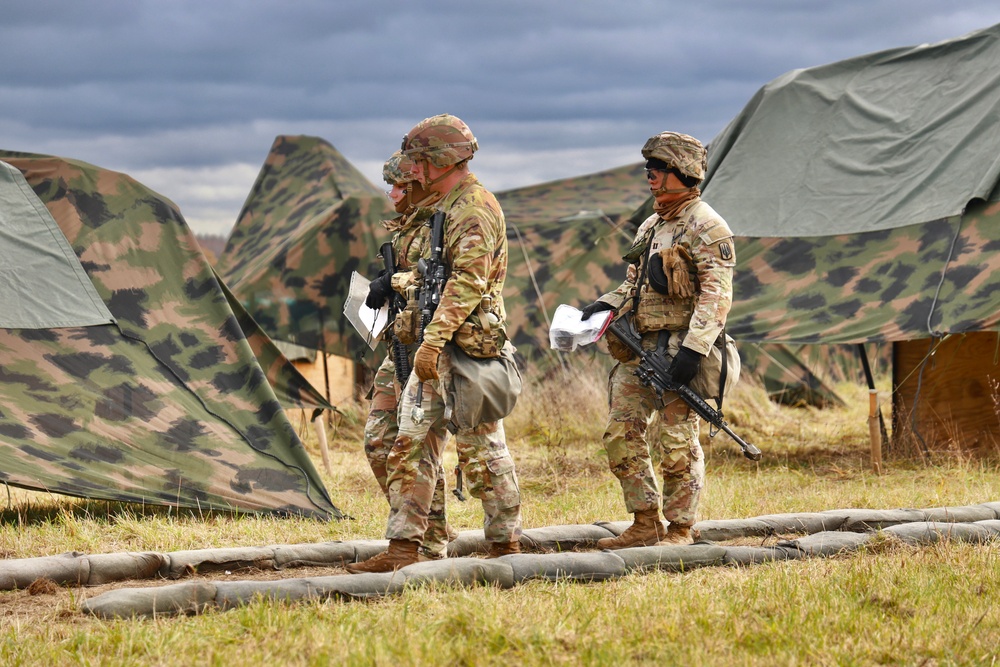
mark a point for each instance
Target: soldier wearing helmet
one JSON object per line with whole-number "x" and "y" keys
{"x": 409, "y": 243}
{"x": 469, "y": 320}
{"x": 678, "y": 291}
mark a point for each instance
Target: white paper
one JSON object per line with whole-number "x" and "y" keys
{"x": 569, "y": 332}
{"x": 370, "y": 323}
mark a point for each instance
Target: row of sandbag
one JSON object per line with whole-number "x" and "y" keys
{"x": 507, "y": 571}
{"x": 75, "y": 568}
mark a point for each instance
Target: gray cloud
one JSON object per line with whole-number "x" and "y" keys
{"x": 552, "y": 89}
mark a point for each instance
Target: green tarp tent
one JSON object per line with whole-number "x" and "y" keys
{"x": 863, "y": 190}
{"x": 125, "y": 374}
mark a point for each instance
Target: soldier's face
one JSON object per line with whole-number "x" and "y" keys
{"x": 654, "y": 177}
{"x": 397, "y": 193}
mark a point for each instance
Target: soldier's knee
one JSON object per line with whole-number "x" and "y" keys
{"x": 502, "y": 488}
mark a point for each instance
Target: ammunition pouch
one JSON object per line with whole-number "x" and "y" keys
{"x": 481, "y": 335}
{"x": 657, "y": 312}
{"x": 407, "y": 323}
{"x": 618, "y": 349}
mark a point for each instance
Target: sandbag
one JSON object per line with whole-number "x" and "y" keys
{"x": 468, "y": 542}
{"x": 571, "y": 566}
{"x": 966, "y": 514}
{"x": 803, "y": 522}
{"x": 742, "y": 556}
{"x": 184, "y": 563}
{"x": 307, "y": 555}
{"x": 927, "y": 532}
{"x": 67, "y": 568}
{"x": 106, "y": 568}
{"x": 828, "y": 542}
{"x": 672, "y": 557}
{"x": 563, "y": 538}
{"x": 616, "y": 528}
{"x": 187, "y": 598}
{"x": 461, "y": 571}
{"x": 728, "y": 529}
{"x": 863, "y": 520}
{"x": 995, "y": 506}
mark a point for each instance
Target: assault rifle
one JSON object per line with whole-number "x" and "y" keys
{"x": 396, "y": 305}
{"x": 654, "y": 372}
{"x": 432, "y": 270}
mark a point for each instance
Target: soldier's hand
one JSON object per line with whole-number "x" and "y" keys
{"x": 378, "y": 291}
{"x": 685, "y": 365}
{"x": 596, "y": 307}
{"x": 425, "y": 362}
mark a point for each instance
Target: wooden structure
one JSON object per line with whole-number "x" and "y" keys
{"x": 946, "y": 393}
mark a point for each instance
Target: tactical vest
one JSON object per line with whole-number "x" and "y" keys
{"x": 655, "y": 311}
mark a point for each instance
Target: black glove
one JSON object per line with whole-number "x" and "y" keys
{"x": 596, "y": 307}
{"x": 685, "y": 365}
{"x": 379, "y": 290}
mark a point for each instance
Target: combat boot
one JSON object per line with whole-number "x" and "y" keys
{"x": 498, "y": 549}
{"x": 677, "y": 534}
{"x": 399, "y": 554}
{"x": 646, "y": 530}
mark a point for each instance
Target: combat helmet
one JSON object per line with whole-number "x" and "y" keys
{"x": 397, "y": 168}
{"x": 680, "y": 151}
{"x": 442, "y": 140}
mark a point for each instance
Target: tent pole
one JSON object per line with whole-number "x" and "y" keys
{"x": 876, "y": 425}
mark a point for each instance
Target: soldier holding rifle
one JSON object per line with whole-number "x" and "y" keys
{"x": 677, "y": 293}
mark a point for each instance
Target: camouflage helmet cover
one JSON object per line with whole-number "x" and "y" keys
{"x": 443, "y": 140}
{"x": 396, "y": 170}
{"x": 681, "y": 151}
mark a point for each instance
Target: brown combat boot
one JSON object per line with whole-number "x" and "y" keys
{"x": 646, "y": 530}
{"x": 677, "y": 534}
{"x": 498, "y": 549}
{"x": 399, "y": 554}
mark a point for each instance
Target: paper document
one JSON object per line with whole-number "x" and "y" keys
{"x": 366, "y": 321}
{"x": 569, "y": 332}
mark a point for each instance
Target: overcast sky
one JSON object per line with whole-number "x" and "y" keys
{"x": 187, "y": 95}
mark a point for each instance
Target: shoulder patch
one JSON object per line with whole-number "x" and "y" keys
{"x": 726, "y": 250}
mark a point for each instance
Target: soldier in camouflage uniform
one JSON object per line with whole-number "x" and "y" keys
{"x": 678, "y": 291}
{"x": 410, "y": 236}
{"x": 471, "y": 317}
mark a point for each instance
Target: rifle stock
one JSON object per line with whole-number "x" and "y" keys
{"x": 654, "y": 372}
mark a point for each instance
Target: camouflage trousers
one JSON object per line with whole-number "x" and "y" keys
{"x": 630, "y": 454}
{"x": 381, "y": 430}
{"x": 414, "y": 467}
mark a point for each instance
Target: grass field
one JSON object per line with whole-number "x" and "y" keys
{"x": 888, "y": 604}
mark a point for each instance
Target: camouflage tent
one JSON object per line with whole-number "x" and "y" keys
{"x": 310, "y": 219}
{"x": 124, "y": 371}
{"x": 870, "y": 221}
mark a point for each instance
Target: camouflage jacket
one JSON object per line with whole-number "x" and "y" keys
{"x": 410, "y": 238}
{"x": 475, "y": 242}
{"x": 709, "y": 241}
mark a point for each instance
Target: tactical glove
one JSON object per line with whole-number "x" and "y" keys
{"x": 685, "y": 365}
{"x": 379, "y": 290}
{"x": 425, "y": 362}
{"x": 676, "y": 264}
{"x": 596, "y": 307}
